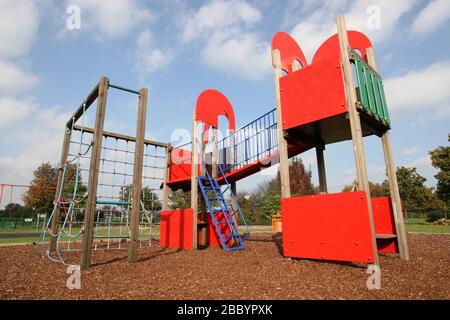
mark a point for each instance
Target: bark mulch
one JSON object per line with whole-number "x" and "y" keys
{"x": 259, "y": 272}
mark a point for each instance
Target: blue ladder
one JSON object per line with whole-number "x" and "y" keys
{"x": 222, "y": 217}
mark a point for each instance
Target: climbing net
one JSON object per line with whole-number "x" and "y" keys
{"x": 111, "y": 229}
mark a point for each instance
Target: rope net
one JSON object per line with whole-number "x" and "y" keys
{"x": 111, "y": 227}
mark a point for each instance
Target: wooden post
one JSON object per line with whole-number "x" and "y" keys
{"x": 59, "y": 183}
{"x": 355, "y": 125}
{"x": 321, "y": 169}
{"x": 282, "y": 143}
{"x": 392, "y": 179}
{"x": 166, "y": 188}
{"x": 137, "y": 176}
{"x": 202, "y": 203}
{"x": 194, "y": 183}
{"x": 86, "y": 245}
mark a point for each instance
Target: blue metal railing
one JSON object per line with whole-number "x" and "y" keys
{"x": 250, "y": 143}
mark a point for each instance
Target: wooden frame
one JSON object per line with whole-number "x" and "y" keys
{"x": 137, "y": 176}
{"x": 100, "y": 93}
{"x": 282, "y": 143}
{"x": 355, "y": 125}
{"x": 392, "y": 179}
{"x": 86, "y": 245}
{"x": 194, "y": 184}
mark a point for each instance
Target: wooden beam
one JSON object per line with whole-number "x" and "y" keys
{"x": 122, "y": 136}
{"x": 84, "y": 106}
{"x": 392, "y": 179}
{"x": 201, "y": 201}
{"x": 321, "y": 170}
{"x": 137, "y": 176}
{"x": 282, "y": 143}
{"x": 59, "y": 183}
{"x": 86, "y": 245}
{"x": 355, "y": 125}
{"x": 194, "y": 183}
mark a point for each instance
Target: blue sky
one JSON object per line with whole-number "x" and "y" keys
{"x": 179, "y": 48}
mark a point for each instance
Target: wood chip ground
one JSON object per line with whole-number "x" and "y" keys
{"x": 259, "y": 272}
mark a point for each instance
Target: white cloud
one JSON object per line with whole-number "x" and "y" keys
{"x": 148, "y": 57}
{"x": 19, "y": 21}
{"x": 14, "y": 80}
{"x": 111, "y": 18}
{"x": 419, "y": 90}
{"x": 242, "y": 55}
{"x": 40, "y": 142}
{"x": 433, "y": 16}
{"x": 218, "y": 15}
{"x": 14, "y": 110}
{"x": 227, "y": 42}
{"x": 320, "y": 24}
{"x": 410, "y": 151}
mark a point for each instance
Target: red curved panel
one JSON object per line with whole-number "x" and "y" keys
{"x": 289, "y": 51}
{"x": 330, "y": 47}
{"x": 210, "y": 105}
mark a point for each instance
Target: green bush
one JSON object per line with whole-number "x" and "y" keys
{"x": 433, "y": 216}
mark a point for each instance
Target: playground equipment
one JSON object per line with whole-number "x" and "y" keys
{"x": 316, "y": 104}
{"x": 339, "y": 96}
{"x": 119, "y": 170}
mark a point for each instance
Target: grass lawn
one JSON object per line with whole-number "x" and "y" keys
{"x": 412, "y": 225}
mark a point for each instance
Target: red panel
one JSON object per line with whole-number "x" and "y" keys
{"x": 210, "y": 105}
{"x": 176, "y": 228}
{"x": 180, "y": 165}
{"x": 289, "y": 51}
{"x": 329, "y": 227}
{"x": 383, "y": 217}
{"x": 330, "y": 48}
{"x": 212, "y": 238}
{"x": 313, "y": 93}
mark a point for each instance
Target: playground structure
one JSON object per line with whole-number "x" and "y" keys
{"x": 338, "y": 97}
{"x": 120, "y": 170}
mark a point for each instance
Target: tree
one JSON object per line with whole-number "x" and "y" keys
{"x": 259, "y": 205}
{"x": 415, "y": 195}
{"x": 440, "y": 159}
{"x": 376, "y": 189}
{"x": 15, "y": 210}
{"x": 270, "y": 205}
{"x": 70, "y": 181}
{"x": 299, "y": 178}
{"x": 40, "y": 199}
{"x": 179, "y": 199}
{"x": 148, "y": 197}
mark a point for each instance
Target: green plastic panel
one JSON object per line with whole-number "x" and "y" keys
{"x": 371, "y": 90}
